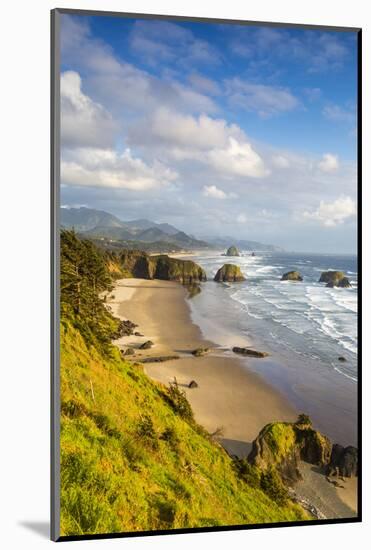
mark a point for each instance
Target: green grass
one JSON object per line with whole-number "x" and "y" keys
{"x": 133, "y": 458}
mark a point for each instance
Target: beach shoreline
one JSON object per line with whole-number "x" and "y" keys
{"x": 230, "y": 399}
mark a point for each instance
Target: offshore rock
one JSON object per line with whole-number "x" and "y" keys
{"x": 292, "y": 276}
{"x": 229, "y": 273}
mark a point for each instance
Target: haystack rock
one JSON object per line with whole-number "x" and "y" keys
{"x": 229, "y": 273}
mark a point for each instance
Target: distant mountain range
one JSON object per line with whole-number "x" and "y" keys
{"x": 100, "y": 224}
{"x": 162, "y": 237}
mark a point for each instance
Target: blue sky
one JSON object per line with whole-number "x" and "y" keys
{"x": 245, "y": 130}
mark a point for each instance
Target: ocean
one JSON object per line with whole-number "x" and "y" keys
{"x": 304, "y": 326}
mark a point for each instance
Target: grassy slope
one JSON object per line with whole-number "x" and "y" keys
{"x": 117, "y": 476}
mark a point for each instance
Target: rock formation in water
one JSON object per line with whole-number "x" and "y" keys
{"x": 334, "y": 278}
{"x": 292, "y": 276}
{"x": 232, "y": 251}
{"x": 229, "y": 273}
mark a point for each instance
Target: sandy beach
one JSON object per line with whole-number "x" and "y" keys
{"x": 229, "y": 398}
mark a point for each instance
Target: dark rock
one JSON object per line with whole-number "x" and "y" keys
{"x": 334, "y": 278}
{"x": 125, "y": 328}
{"x": 185, "y": 272}
{"x": 343, "y": 461}
{"x": 250, "y": 352}
{"x": 232, "y": 251}
{"x": 128, "y": 351}
{"x": 193, "y": 384}
{"x": 229, "y": 273}
{"x": 146, "y": 345}
{"x": 138, "y": 334}
{"x": 344, "y": 283}
{"x": 282, "y": 445}
{"x": 200, "y": 352}
{"x": 342, "y": 359}
{"x": 291, "y": 276}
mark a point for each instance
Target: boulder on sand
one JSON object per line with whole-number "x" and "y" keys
{"x": 250, "y": 352}
{"x": 146, "y": 345}
{"x": 229, "y": 273}
{"x": 193, "y": 384}
{"x": 291, "y": 276}
{"x": 200, "y": 352}
{"x": 343, "y": 461}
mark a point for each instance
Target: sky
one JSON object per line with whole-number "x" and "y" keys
{"x": 218, "y": 129}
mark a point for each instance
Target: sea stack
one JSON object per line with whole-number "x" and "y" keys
{"x": 232, "y": 251}
{"x": 292, "y": 276}
{"x": 229, "y": 273}
{"x": 334, "y": 278}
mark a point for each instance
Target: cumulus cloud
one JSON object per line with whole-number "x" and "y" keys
{"x": 280, "y": 161}
{"x": 213, "y": 142}
{"x": 107, "y": 168}
{"x": 216, "y": 193}
{"x": 238, "y": 159}
{"x": 83, "y": 122}
{"x": 329, "y": 163}
{"x": 333, "y": 213}
{"x": 265, "y": 100}
{"x": 124, "y": 87}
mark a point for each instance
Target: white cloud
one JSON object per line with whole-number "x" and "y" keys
{"x": 216, "y": 193}
{"x": 241, "y": 218}
{"x": 107, "y": 168}
{"x": 280, "y": 161}
{"x": 329, "y": 163}
{"x": 238, "y": 159}
{"x": 337, "y": 113}
{"x": 213, "y": 142}
{"x": 265, "y": 100}
{"x": 204, "y": 84}
{"x": 333, "y": 213}
{"x": 163, "y": 41}
{"x": 83, "y": 122}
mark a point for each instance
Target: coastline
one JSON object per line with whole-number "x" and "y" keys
{"x": 229, "y": 398}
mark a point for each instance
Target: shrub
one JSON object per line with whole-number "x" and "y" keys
{"x": 179, "y": 402}
{"x": 147, "y": 433}
{"x": 303, "y": 419}
{"x": 272, "y": 485}
{"x": 248, "y": 473}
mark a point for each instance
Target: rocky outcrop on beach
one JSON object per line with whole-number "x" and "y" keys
{"x": 125, "y": 328}
{"x": 250, "y": 352}
{"x": 232, "y": 251}
{"x": 200, "y": 352}
{"x": 334, "y": 278}
{"x": 186, "y": 272}
{"x": 146, "y": 345}
{"x": 292, "y": 276}
{"x": 136, "y": 263}
{"x": 229, "y": 273}
{"x": 282, "y": 445}
{"x": 343, "y": 461}
{"x": 193, "y": 384}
